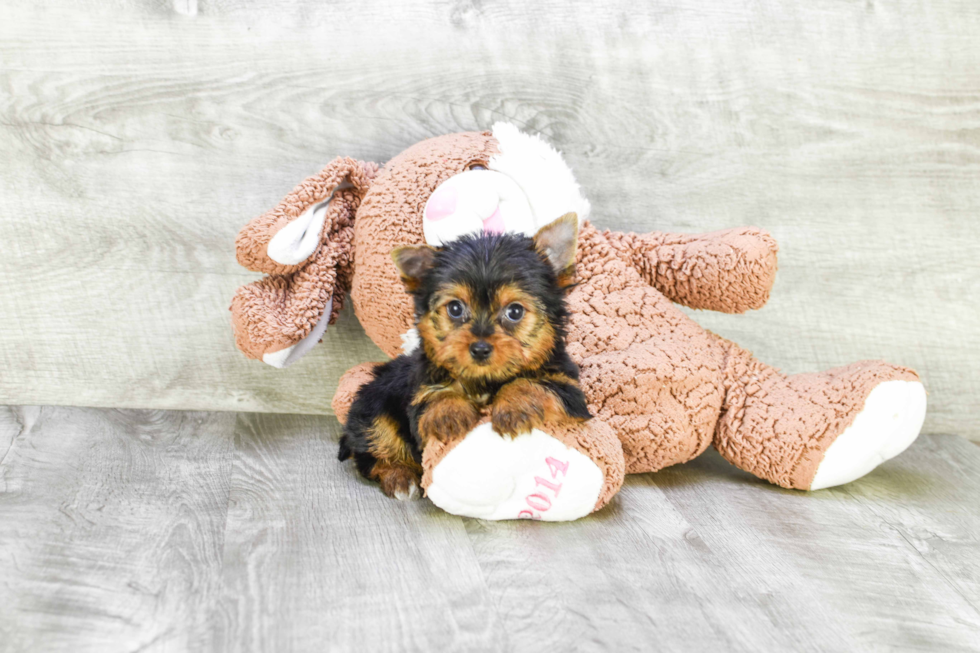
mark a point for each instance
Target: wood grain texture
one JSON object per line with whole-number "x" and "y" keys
{"x": 371, "y": 575}
{"x": 111, "y": 528}
{"x": 138, "y": 137}
{"x": 170, "y": 531}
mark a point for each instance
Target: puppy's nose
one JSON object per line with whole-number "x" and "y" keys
{"x": 481, "y": 350}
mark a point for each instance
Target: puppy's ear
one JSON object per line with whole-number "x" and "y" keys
{"x": 413, "y": 261}
{"x": 557, "y": 242}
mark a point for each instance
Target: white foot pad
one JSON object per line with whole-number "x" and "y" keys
{"x": 533, "y": 476}
{"x": 889, "y": 422}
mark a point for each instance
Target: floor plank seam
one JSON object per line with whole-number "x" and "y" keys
{"x": 25, "y": 428}
{"x": 498, "y": 617}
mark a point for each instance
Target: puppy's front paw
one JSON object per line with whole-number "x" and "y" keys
{"x": 522, "y": 406}
{"x": 511, "y": 419}
{"x": 447, "y": 419}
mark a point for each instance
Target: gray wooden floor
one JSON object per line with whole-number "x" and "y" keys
{"x": 143, "y": 530}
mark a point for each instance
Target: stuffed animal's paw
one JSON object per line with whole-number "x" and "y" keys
{"x": 889, "y": 422}
{"x": 532, "y": 476}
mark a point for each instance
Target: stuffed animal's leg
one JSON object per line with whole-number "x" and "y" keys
{"x": 556, "y": 473}
{"x": 811, "y": 431}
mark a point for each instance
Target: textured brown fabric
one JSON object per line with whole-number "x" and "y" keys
{"x": 598, "y": 441}
{"x": 665, "y": 387}
{"x": 391, "y": 215}
{"x": 730, "y": 271}
{"x": 779, "y": 427}
{"x": 350, "y": 383}
{"x": 252, "y": 242}
{"x": 647, "y": 369}
{"x": 280, "y": 310}
{"x": 671, "y": 388}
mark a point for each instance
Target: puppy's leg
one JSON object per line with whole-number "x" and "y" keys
{"x": 526, "y": 404}
{"x": 445, "y": 416}
{"x": 395, "y": 467}
{"x": 378, "y": 434}
{"x": 398, "y": 481}
{"x": 382, "y": 454}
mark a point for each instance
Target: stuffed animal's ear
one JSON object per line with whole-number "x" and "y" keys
{"x": 413, "y": 261}
{"x": 557, "y": 241}
{"x": 306, "y": 245}
{"x": 316, "y": 212}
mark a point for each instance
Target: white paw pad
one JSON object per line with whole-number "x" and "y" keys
{"x": 533, "y": 476}
{"x": 889, "y": 422}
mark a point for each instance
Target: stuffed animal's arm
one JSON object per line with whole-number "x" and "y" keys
{"x": 730, "y": 271}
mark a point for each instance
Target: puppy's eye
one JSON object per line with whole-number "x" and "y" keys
{"x": 455, "y": 309}
{"x": 514, "y": 312}
{"x": 476, "y": 166}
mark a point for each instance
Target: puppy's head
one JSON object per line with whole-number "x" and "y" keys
{"x": 489, "y": 307}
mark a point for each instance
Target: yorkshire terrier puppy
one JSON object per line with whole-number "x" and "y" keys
{"x": 490, "y": 312}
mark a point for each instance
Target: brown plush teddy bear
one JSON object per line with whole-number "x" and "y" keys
{"x": 661, "y": 388}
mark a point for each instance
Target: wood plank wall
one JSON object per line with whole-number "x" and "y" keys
{"x": 137, "y": 137}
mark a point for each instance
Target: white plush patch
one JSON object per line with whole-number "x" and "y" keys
{"x": 289, "y": 355}
{"x": 541, "y": 172}
{"x": 533, "y": 476}
{"x": 889, "y": 422}
{"x": 525, "y": 187}
{"x": 476, "y": 201}
{"x": 297, "y": 241}
{"x": 410, "y": 341}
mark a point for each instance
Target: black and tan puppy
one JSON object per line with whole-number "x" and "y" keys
{"x": 490, "y": 312}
